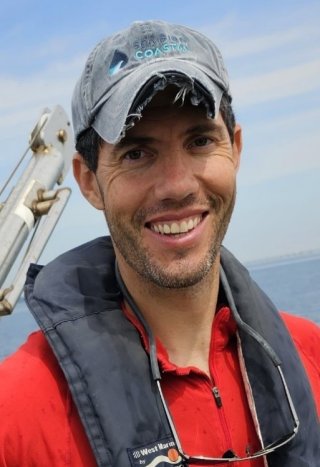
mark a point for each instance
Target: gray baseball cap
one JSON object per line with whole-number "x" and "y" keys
{"x": 126, "y": 70}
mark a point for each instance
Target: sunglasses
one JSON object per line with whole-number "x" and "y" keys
{"x": 230, "y": 456}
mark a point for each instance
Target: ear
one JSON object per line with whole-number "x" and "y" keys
{"x": 87, "y": 182}
{"x": 237, "y": 145}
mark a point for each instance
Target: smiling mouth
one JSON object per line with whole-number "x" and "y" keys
{"x": 176, "y": 227}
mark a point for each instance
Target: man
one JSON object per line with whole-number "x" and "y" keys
{"x": 156, "y": 346}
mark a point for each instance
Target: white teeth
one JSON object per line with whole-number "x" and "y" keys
{"x": 176, "y": 227}
{"x": 183, "y": 227}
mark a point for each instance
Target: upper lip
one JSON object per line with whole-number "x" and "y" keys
{"x": 177, "y": 215}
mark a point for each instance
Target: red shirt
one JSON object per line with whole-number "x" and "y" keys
{"x": 40, "y": 425}
{"x": 205, "y": 425}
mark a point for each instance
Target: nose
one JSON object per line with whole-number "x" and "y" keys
{"x": 175, "y": 178}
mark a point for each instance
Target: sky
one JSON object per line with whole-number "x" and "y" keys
{"x": 272, "y": 53}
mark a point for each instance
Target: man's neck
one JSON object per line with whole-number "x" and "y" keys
{"x": 180, "y": 318}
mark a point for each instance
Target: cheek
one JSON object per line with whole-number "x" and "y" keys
{"x": 123, "y": 198}
{"x": 113, "y": 185}
{"x": 220, "y": 178}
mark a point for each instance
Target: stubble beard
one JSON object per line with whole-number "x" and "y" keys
{"x": 129, "y": 244}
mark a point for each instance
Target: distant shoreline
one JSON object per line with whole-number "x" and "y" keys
{"x": 283, "y": 259}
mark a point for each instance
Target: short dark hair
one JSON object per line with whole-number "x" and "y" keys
{"x": 89, "y": 142}
{"x": 227, "y": 115}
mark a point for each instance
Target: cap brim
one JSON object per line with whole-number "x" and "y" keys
{"x": 110, "y": 120}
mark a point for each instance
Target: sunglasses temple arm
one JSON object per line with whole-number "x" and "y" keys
{"x": 244, "y": 326}
{"x": 153, "y": 349}
{"x": 169, "y": 418}
{"x": 290, "y": 402}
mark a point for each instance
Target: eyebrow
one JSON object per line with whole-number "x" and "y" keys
{"x": 132, "y": 140}
{"x": 206, "y": 127}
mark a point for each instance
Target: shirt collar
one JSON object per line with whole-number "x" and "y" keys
{"x": 222, "y": 336}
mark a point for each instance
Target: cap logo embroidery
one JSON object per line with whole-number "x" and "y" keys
{"x": 119, "y": 61}
{"x": 158, "y": 46}
{"x": 165, "y": 49}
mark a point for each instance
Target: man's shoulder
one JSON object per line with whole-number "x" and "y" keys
{"x": 33, "y": 401}
{"x": 306, "y": 337}
{"x": 29, "y": 376}
{"x": 303, "y": 331}
{"x": 34, "y": 362}
{"x": 39, "y": 423}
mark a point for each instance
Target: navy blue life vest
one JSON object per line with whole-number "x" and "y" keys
{"x": 76, "y": 301}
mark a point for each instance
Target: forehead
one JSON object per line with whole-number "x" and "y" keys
{"x": 173, "y": 105}
{"x": 173, "y": 98}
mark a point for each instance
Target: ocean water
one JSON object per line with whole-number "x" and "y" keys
{"x": 292, "y": 284}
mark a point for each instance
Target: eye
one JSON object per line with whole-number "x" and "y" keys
{"x": 136, "y": 158}
{"x": 201, "y": 141}
{"x": 134, "y": 155}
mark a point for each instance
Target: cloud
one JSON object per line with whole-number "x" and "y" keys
{"x": 253, "y": 30}
{"x": 277, "y": 84}
{"x": 290, "y": 124}
{"x": 22, "y": 98}
{"x": 278, "y": 147}
{"x": 267, "y": 163}
{"x": 252, "y": 45}
{"x": 51, "y": 82}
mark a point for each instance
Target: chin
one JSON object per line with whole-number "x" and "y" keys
{"x": 179, "y": 276}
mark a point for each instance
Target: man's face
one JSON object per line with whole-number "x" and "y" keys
{"x": 168, "y": 191}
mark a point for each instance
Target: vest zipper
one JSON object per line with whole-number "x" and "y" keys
{"x": 218, "y": 400}
{"x": 217, "y": 397}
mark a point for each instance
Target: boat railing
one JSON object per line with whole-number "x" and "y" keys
{"x": 34, "y": 205}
